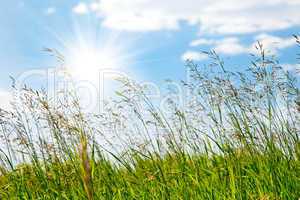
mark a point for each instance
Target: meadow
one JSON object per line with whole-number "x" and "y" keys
{"x": 236, "y": 137}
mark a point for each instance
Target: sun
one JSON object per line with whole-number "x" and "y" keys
{"x": 86, "y": 63}
{"x": 88, "y": 49}
{"x": 92, "y": 71}
{"x": 92, "y": 59}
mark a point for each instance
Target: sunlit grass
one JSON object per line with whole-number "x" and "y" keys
{"x": 236, "y": 138}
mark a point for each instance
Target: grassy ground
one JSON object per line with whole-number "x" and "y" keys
{"x": 237, "y": 137}
{"x": 235, "y": 176}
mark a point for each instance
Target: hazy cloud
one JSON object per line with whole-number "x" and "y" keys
{"x": 81, "y": 8}
{"x": 212, "y": 16}
{"x": 230, "y": 46}
{"x": 193, "y": 55}
{"x": 233, "y": 46}
{"x": 273, "y": 43}
{"x": 291, "y": 67}
{"x": 199, "y": 42}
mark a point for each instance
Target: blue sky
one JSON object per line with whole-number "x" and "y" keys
{"x": 147, "y": 39}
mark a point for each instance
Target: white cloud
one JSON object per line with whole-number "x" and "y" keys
{"x": 50, "y": 11}
{"x": 193, "y": 55}
{"x": 212, "y": 16}
{"x": 81, "y": 8}
{"x": 230, "y": 46}
{"x": 5, "y": 98}
{"x": 291, "y": 67}
{"x": 199, "y": 42}
{"x": 94, "y": 6}
{"x": 273, "y": 43}
{"x": 233, "y": 46}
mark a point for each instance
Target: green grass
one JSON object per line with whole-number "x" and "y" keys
{"x": 178, "y": 176}
{"x": 237, "y": 137}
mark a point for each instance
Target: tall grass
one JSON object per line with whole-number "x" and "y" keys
{"x": 236, "y": 136}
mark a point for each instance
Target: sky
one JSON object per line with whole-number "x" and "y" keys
{"x": 148, "y": 40}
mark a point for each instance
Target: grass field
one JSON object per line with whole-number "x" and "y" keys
{"x": 237, "y": 137}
